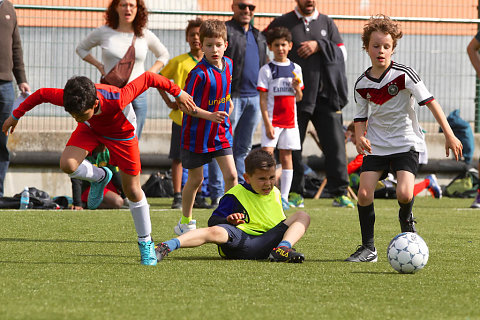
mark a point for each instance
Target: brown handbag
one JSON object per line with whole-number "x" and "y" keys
{"x": 121, "y": 72}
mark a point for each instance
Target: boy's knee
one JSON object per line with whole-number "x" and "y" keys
{"x": 68, "y": 165}
{"x": 217, "y": 234}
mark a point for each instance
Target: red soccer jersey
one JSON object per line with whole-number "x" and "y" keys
{"x": 115, "y": 119}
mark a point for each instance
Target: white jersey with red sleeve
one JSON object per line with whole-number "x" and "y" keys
{"x": 115, "y": 118}
{"x": 276, "y": 79}
{"x": 388, "y": 104}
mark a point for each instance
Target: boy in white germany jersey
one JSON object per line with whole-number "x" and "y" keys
{"x": 280, "y": 84}
{"x": 385, "y": 95}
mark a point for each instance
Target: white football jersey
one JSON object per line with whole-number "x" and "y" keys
{"x": 388, "y": 103}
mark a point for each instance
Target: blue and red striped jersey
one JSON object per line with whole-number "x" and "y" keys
{"x": 210, "y": 88}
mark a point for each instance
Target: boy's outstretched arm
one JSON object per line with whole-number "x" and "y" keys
{"x": 51, "y": 95}
{"x": 451, "y": 142}
{"x": 9, "y": 124}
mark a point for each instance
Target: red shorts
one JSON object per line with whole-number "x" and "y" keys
{"x": 124, "y": 154}
{"x": 109, "y": 187}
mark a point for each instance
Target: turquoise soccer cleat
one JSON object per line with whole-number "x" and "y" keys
{"x": 147, "y": 253}
{"x": 95, "y": 195}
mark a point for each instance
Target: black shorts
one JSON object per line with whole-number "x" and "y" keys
{"x": 241, "y": 245}
{"x": 175, "y": 142}
{"x": 406, "y": 161}
{"x": 192, "y": 160}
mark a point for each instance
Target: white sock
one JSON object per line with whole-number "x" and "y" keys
{"x": 141, "y": 218}
{"x": 286, "y": 182}
{"x": 89, "y": 172}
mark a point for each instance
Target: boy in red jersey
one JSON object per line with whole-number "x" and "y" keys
{"x": 105, "y": 115}
{"x": 206, "y": 133}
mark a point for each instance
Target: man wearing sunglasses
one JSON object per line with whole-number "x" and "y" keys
{"x": 247, "y": 47}
{"x": 318, "y": 49}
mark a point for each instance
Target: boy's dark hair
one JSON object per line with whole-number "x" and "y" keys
{"x": 278, "y": 33}
{"x": 381, "y": 23}
{"x": 213, "y": 28}
{"x": 79, "y": 95}
{"x": 194, "y": 23}
{"x": 259, "y": 159}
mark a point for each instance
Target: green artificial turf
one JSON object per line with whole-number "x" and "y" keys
{"x": 85, "y": 265}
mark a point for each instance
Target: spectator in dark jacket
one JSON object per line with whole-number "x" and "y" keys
{"x": 318, "y": 49}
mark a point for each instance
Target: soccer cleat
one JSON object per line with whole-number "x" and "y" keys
{"x": 343, "y": 202}
{"x": 201, "y": 203}
{"x": 476, "y": 202}
{"x": 296, "y": 200}
{"x": 95, "y": 195}
{"x": 147, "y": 253}
{"x": 363, "y": 254}
{"x": 162, "y": 250}
{"x": 182, "y": 228}
{"x": 177, "y": 201}
{"x": 408, "y": 225}
{"x": 285, "y": 254}
{"x": 434, "y": 187}
{"x": 285, "y": 204}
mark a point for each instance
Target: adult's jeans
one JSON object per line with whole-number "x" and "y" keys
{"x": 140, "y": 107}
{"x": 244, "y": 119}
{"x": 7, "y": 95}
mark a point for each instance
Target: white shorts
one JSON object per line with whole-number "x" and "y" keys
{"x": 285, "y": 138}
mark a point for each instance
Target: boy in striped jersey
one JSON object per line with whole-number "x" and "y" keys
{"x": 385, "y": 95}
{"x": 206, "y": 132}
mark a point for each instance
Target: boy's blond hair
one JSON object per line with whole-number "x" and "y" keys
{"x": 381, "y": 23}
{"x": 213, "y": 28}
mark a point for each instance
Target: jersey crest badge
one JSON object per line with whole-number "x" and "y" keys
{"x": 393, "y": 89}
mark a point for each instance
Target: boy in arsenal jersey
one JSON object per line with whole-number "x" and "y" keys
{"x": 385, "y": 95}
{"x": 105, "y": 116}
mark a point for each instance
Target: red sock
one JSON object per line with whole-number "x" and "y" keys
{"x": 419, "y": 187}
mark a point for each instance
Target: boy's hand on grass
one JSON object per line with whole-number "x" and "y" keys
{"x": 236, "y": 219}
{"x": 455, "y": 145}
{"x": 185, "y": 102}
{"x": 363, "y": 146}
{"x": 9, "y": 124}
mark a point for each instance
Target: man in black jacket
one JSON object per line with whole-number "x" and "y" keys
{"x": 247, "y": 48}
{"x": 318, "y": 48}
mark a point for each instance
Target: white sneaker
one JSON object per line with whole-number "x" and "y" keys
{"x": 182, "y": 228}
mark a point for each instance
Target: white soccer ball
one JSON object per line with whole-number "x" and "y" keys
{"x": 407, "y": 252}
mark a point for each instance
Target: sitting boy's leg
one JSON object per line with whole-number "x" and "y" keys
{"x": 194, "y": 238}
{"x": 141, "y": 217}
{"x": 297, "y": 225}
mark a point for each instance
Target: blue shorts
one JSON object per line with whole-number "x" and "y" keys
{"x": 241, "y": 245}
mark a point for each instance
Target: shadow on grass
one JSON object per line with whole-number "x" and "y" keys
{"x": 59, "y": 240}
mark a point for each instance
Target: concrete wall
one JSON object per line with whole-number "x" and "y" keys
{"x": 35, "y": 158}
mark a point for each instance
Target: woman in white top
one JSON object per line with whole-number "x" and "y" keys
{"x": 123, "y": 19}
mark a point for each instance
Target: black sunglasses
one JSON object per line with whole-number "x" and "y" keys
{"x": 243, "y": 6}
